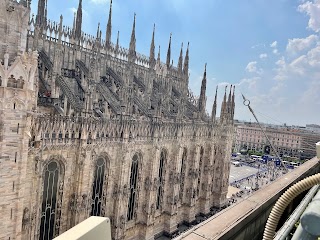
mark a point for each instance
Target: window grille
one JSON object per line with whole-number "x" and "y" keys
{"x": 51, "y": 201}
{"x": 199, "y": 170}
{"x": 97, "y": 187}
{"x": 133, "y": 187}
{"x": 161, "y": 180}
{"x": 182, "y": 173}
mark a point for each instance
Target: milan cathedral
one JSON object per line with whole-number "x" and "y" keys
{"x": 90, "y": 128}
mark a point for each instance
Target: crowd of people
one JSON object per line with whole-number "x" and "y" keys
{"x": 254, "y": 182}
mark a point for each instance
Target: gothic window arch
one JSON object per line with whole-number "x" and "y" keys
{"x": 160, "y": 189}
{"x": 51, "y": 200}
{"x": 200, "y": 170}
{"x": 133, "y": 187}
{"x": 182, "y": 173}
{"x": 98, "y": 188}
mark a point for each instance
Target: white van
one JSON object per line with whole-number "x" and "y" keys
{"x": 237, "y": 164}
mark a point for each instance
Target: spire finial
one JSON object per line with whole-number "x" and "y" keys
{"x": 74, "y": 21}
{"x": 202, "y": 98}
{"x": 109, "y": 27}
{"x": 152, "y": 47}
{"x": 117, "y": 44}
{"x": 40, "y": 18}
{"x": 132, "y": 48}
{"x": 159, "y": 55}
{"x": 169, "y": 52}
{"x": 118, "y": 38}
{"x": 229, "y": 98}
{"x": 186, "y": 62}
{"x": 98, "y": 30}
{"x": 214, "y": 106}
{"x": 79, "y": 21}
{"x": 180, "y": 59}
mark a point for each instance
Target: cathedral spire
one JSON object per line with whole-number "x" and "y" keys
{"x": 117, "y": 45}
{"x": 169, "y": 52}
{"x": 152, "y": 60}
{"x": 79, "y": 21}
{"x": 74, "y": 22}
{"x": 158, "y": 59}
{"x": 132, "y": 48}
{"x": 46, "y": 11}
{"x": 186, "y": 62}
{"x": 108, "y": 30}
{"x": 40, "y": 18}
{"x": 229, "y": 105}
{"x": 98, "y": 31}
{"x": 233, "y": 103}
{"x": 223, "y": 106}
{"x": 180, "y": 59}
{"x": 202, "y": 99}
{"x": 214, "y": 107}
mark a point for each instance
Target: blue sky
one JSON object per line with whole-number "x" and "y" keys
{"x": 269, "y": 49}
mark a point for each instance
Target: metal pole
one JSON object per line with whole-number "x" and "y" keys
{"x": 309, "y": 221}
{"x": 246, "y": 102}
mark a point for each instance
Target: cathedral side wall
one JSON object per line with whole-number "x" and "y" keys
{"x": 79, "y": 160}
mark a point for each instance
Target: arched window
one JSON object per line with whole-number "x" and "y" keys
{"x": 199, "y": 170}
{"x": 97, "y": 187}
{"x": 51, "y": 201}
{"x": 161, "y": 179}
{"x": 182, "y": 173}
{"x": 133, "y": 187}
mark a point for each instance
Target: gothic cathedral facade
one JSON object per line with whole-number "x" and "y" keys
{"x": 90, "y": 128}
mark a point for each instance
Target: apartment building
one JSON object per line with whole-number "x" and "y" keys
{"x": 291, "y": 141}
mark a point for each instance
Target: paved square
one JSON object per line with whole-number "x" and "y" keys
{"x": 237, "y": 173}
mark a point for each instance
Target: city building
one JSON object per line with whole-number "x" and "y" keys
{"x": 90, "y": 128}
{"x": 288, "y": 140}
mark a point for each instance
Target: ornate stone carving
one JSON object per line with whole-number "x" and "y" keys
{"x": 122, "y": 221}
{"x": 147, "y": 184}
{"x": 25, "y": 218}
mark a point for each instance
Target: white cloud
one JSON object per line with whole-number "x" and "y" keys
{"x": 312, "y": 9}
{"x": 296, "y": 45}
{"x": 304, "y": 65}
{"x": 251, "y": 82}
{"x": 311, "y": 95}
{"x": 252, "y": 68}
{"x": 259, "y": 45}
{"x": 263, "y": 55}
{"x": 299, "y": 65}
{"x": 281, "y": 69}
{"x": 274, "y": 44}
{"x": 73, "y": 9}
{"x": 314, "y": 57}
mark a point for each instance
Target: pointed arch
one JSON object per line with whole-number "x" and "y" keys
{"x": 98, "y": 197}
{"x": 133, "y": 186}
{"x": 201, "y": 158}
{"x": 53, "y": 181}
{"x": 162, "y": 162}
{"x": 182, "y": 172}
